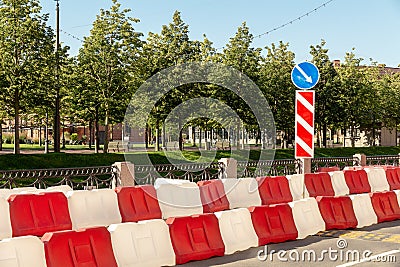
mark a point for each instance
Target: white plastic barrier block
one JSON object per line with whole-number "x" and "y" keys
{"x": 363, "y": 210}
{"x": 177, "y": 200}
{"x": 146, "y": 243}
{"x": 398, "y": 195}
{"x": 59, "y": 188}
{"x": 237, "y": 230}
{"x": 97, "y": 207}
{"x": 24, "y": 251}
{"x": 377, "y": 179}
{"x": 5, "y": 222}
{"x": 5, "y": 192}
{"x": 161, "y": 181}
{"x": 296, "y": 185}
{"x": 307, "y": 217}
{"x": 339, "y": 183}
{"x": 242, "y": 192}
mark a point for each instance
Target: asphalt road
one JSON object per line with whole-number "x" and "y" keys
{"x": 377, "y": 245}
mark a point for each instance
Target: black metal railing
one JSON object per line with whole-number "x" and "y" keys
{"x": 383, "y": 160}
{"x": 340, "y": 162}
{"x": 268, "y": 167}
{"x": 77, "y": 178}
{"x": 194, "y": 172}
{"x": 106, "y": 176}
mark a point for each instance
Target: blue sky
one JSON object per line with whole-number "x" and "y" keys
{"x": 372, "y": 27}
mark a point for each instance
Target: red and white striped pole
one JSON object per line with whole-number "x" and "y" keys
{"x": 305, "y": 75}
{"x": 304, "y": 124}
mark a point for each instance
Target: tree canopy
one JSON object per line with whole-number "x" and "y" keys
{"x": 114, "y": 60}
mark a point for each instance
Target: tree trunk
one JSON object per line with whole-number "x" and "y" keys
{"x": 1, "y": 135}
{"x": 157, "y": 145}
{"x": 200, "y": 137}
{"x": 16, "y": 122}
{"x": 238, "y": 135}
{"x": 243, "y": 139}
{"x": 180, "y": 140}
{"x": 106, "y": 130}
{"x": 324, "y": 131}
{"x": 344, "y": 136}
{"x": 96, "y": 131}
{"x": 193, "y": 136}
{"x": 40, "y": 133}
{"x": 90, "y": 133}
{"x": 353, "y": 143}
{"x": 373, "y": 134}
{"x": 46, "y": 135}
{"x": 146, "y": 136}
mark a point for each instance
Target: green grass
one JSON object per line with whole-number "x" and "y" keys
{"x": 37, "y": 147}
{"x": 65, "y": 160}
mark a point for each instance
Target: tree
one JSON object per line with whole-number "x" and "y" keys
{"x": 389, "y": 98}
{"x": 239, "y": 54}
{"x": 26, "y": 51}
{"x": 171, "y": 47}
{"x": 277, "y": 87}
{"x": 328, "y": 110}
{"x": 108, "y": 60}
{"x": 357, "y": 95}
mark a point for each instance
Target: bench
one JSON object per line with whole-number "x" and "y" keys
{"x": 116, "y": 146}
{"x": 222, "y": 145}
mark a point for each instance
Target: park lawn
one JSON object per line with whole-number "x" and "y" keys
{"x": 66, "y": 160}
{"x": 37, "y": 147}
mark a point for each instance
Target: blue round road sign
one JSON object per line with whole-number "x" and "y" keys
{"x": 305, "y": 75}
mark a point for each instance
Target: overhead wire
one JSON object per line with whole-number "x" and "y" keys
{"x": 290, "y": 22}
{"x": 256, "y": 36}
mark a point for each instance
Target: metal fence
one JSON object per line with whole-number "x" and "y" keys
{"x": 383, "y": 160}
{"x": 147, "y": 174}
{"x": 105, "y": 176}
{"x": 77, "y": 178}
{"x": 268, "y": 167}
{"x": 340, "y": 162}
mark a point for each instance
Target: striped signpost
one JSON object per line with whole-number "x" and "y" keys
{"x": 304, "y": 122}
{"x": 305, "y": 76}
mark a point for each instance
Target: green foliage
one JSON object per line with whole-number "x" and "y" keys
{"x": 96, "y": 85}
{"x": 8, "y": 138}
{"x": 26, "y": 56}
{"x": 63, "y": 160}
{"x": 275, "y": 82}
{"x": 328, "y": 108}
{"x": 74, "y": 137}
{"x": 106, "y": 66}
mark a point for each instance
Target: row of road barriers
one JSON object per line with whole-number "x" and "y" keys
{"x": 126, "y": 173}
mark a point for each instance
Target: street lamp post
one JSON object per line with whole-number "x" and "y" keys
{"x": 56, "y": 134}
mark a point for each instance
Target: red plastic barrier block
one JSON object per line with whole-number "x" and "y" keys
{"x": 36, "y": 214}
{"x": 273, "y": 224}
{"x": 386, "y": 206}
{"x": 319, "y": 184}
{"x": 328, "y": 169}
{"x": 195, "y": 237}
{"x": 87, "y": 247}
{"x": 337, "y": 212}
{"x": 357, "y": 181}
{"x": 213, "y": 196}
{"x": 138, "y": 203}
{"x": 393, "y": 177}
{"x": 274, "y": 190}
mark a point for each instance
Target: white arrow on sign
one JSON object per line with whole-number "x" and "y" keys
{"x": 308, "y": 78}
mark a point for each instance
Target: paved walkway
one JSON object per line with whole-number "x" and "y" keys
{"x": 382, "y": 240}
